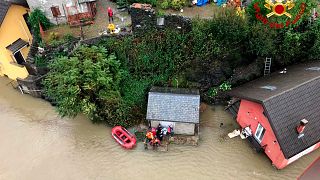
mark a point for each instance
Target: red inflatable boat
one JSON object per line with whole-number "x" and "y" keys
{"x": 123, "y": 137}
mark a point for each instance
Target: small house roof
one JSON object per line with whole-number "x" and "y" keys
{"x": 287, "y": 99}
{"x": 173, "y": 104}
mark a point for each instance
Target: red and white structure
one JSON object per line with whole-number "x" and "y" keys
{"x": 280, "y": 114}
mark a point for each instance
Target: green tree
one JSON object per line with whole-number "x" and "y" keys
{"x": 87, "y": 82}
{"x": 314, "y": 40}
{"x": 38, "y": 17}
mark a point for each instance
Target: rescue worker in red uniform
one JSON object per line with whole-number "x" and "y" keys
{"x": 110, "y": 15}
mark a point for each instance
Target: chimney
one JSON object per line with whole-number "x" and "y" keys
{"x": 301, "y": 127}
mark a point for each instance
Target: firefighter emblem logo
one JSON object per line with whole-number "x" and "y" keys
{"x": 278, "y": 7}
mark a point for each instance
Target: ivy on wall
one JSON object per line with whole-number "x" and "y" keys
{"x": 36, "y": 18}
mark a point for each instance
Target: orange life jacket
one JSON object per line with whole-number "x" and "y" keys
{"x": 149, "y": 135}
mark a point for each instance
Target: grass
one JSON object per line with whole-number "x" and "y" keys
{"x": 62, "y": 30}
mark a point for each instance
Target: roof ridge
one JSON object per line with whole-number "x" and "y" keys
{"x": 290, "y": 89}
{"x": 176, "y": 94}
{"x": 4, "y": 10}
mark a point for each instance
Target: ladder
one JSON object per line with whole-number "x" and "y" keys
{"x": 267, "y": 66}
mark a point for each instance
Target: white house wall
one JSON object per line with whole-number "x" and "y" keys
{"x": 178, "y": 128}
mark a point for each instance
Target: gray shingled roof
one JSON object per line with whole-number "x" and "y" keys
{"x": 4, "y": 6}
{"x": 296, "y": 97}
{"x": 175, "y": 105}
{"x": 17, "y": 45}
{"x": 295, "y": 76}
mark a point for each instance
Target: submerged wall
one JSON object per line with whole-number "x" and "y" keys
{"x": 178, "y": 128}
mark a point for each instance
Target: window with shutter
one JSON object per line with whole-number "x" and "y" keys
{"x": 55, "y": 11}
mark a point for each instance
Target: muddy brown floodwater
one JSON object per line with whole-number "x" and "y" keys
{"x": 35, "y": 143}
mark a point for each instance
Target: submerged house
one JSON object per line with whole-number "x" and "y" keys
{"x": 280, "y": 114}
{"x": 176, "y": 107}
{"x": 15, "y": 38}
{"x": 66, "y": 11}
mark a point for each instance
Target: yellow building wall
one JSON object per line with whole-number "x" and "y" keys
{"x": 12, "y": 28}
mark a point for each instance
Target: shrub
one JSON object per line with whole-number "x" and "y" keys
{"x": 40, "y": 61}
{"x": 213, "y": 92}
{"x": 165, "y": 4}
{"x": 178, "y": 4}
{"x": 38, "y": 17}
{"x": 68, "y": 37}
{"x": 53, "y": 36}
{"x": 225, "y": 86}
{"x": 88, "y": 82}
{"x": 160, "y": 13}
{"x": 121, "y": 3}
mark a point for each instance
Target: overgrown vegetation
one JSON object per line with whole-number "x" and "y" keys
{"x": 88, "y": 82}
{"x": 55, "y": 39}
{"x": 109, "y": 83}
{"x": 37, "y": 18}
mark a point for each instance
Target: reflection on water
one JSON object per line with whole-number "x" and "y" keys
{"x": 37, "y": 144}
